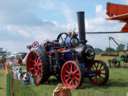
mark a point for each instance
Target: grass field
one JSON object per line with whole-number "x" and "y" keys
{"x": 117, "y": 86}
{"x": 2, "y": 83}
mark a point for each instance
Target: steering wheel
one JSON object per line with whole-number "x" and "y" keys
{"x": 62, "y": 38}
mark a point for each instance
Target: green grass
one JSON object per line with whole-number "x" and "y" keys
{"x": 9, "y": 84}
{"x": 117, "y": 86}
{"x": 2, "y": 83}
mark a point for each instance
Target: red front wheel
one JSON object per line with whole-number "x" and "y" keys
{"x": 71, "y": 75}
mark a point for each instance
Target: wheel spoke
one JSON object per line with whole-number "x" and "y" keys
{"x": 76, "y": 71}
{"x": 101, "y": 65}
{"x": 76, "y": 82}
{"x": 102, "y": 75}
{"x": 71, "y": 68}
{"x": 77, "y": 78}
{"x": 68, "y": 67}
{"x": 77, "y": 74}
{"x": 67, "y": 80}
{"x": 97, "y": 66}
{"x": 70, "y": 82}
{"x": 67, "y": 72}
{"x": 66, "y": 75}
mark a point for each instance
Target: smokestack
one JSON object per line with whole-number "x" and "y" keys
{"x": 81, "y": 27}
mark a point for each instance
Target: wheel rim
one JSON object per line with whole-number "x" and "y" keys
{"x": 100, "y": 73}
{"x": 34, "y": 66}
{"x": 71, "y": 75}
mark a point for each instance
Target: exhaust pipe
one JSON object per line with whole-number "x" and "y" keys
{"x": 81, "y": 27}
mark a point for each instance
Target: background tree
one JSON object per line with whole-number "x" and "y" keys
{"x": 98, "y": 50}
{"x": 120, "y": 47}
{"x": 109, "y": 50}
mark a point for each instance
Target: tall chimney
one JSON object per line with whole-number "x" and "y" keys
{"x": 81, "y": 27}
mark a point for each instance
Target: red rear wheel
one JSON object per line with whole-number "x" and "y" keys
{"x": 34, "y": 66}
{"x": 71, "y": 74}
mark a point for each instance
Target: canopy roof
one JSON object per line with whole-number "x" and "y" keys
{"x": 118, "y": 12}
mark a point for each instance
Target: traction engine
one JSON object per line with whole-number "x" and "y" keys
{"x": 68, "y": 58}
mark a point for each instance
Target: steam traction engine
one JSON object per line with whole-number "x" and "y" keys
{"x": 68, "y": 58}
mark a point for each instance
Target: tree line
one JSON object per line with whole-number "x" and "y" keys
{"x": 120, "y": 47}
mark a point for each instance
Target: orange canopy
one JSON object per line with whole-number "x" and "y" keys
{"x": 118, "y": 12}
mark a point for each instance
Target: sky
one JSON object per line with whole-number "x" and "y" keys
{"x": 25, "y": 21}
